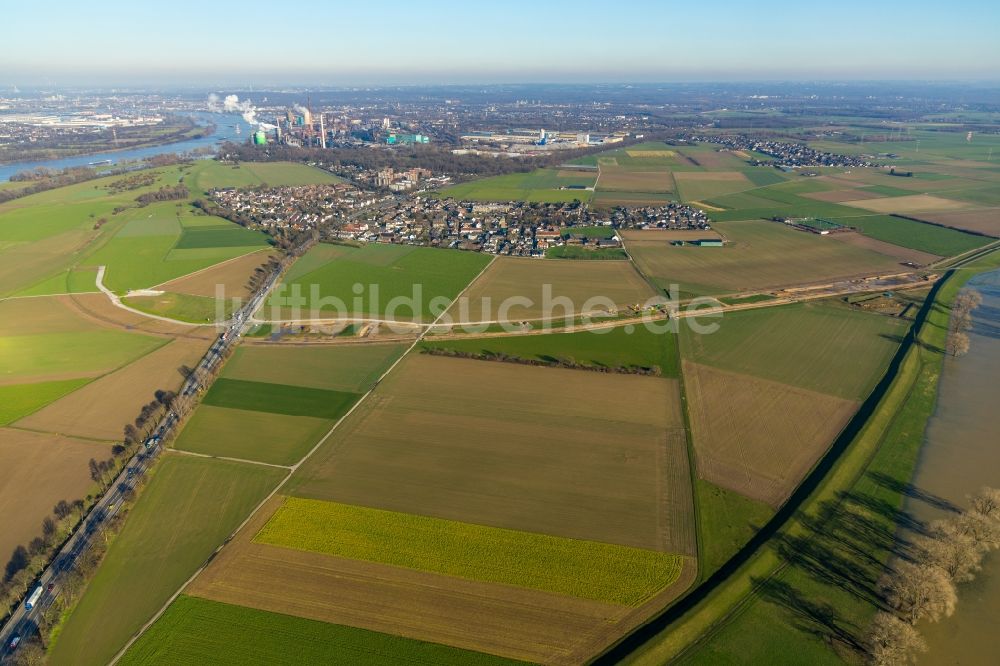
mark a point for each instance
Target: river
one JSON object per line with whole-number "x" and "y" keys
{"x": 225, "y": 130}
{"x": 961, "y": 453}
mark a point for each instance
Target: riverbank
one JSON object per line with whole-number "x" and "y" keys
{"x": 806, "y": 595}
{"x": 190, "y": 132}
{"x": 959, "y": 456}
{"x": 227, "y": 128}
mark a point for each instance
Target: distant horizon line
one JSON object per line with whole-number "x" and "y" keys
{"x": 271, "y": 86}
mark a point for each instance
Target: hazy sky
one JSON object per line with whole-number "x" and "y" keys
{"x": 437, "y": 41}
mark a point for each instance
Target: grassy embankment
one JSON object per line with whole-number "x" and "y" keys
{"x": 806, "y": 594}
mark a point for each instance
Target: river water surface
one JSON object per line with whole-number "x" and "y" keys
{"x": 962, "y": 453}
{"x": 225, "y": 130}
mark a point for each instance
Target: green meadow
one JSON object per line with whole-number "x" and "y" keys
{"x": 383, "y": 272}
{"x": 189, "y": 507}
{"x": 195, "y": 631}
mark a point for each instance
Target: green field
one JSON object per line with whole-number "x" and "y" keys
{"x": 929, "y": 238}
{"x": 385, "y": 273}
{"x": 80, "y": 353}
{"x": 279, "y": 398}
{"x": 183, "y": 307}
{"x": 210, "y": 174}
{"x": 196, "y": 631}
{"x": 189, "y": 507}
{"x": 19, "y": 400}
{"x": 228, "y": 235}
{"x": 588, "y": 569}
{"x": 726, "y": 521}
{"x": 335, "y": 368}
{"x": 585, "y": 254}
{"x": 821, "y": 346}
{"x": 266, "y": 437}
{"x": 142, "y": 255}
{"x": 76, "y": 281}
{"x": 541, "y": 185}
{"x": 608, "y": 348}
{"x": 816, "y": 563}
{"x": 591, "y": 232}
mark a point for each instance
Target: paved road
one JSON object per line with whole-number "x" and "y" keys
{"x": 23, "y": 621}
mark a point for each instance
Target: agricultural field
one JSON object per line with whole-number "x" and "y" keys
{"x": 195, "y": 630}
{"x": 727, "y": 520}
{"x": 897, "y": 252}
{"x": 613, "y": 198}
{"x": 273, "y": 404}
{"x": 182, "y": 307}
{"x": 602, "y": 572}
{"x": 981, "y": 221}
{"x": 159, "y": 244}
{"x": 519, "y": 623}
{"x": 617, "y": 178}
{"x": 758, "y": 255}
{"x": 17, "y": 400}
{"x": 541, "y": 185}
{"x": 802, "y": 344}
{"x": 39, "y": 469}
{"x": 927, "y": 238}
{"x": 186, "y": 511}
{"x": 333, "y": 368}
{"x": 46, "y": 339}
{"x": 755, "y": 436}
{"x": 698, "y": 185}
{"x": 58, "y": 225}
{"x": 101, "y": 409}
{"x": 231, "y": 275}
{"x": 769, "y": 390}
{"x": 390, "y": 276}
{"x": 516, "y": 447}
{"x": 277, "y": 439}
{"x": 915, "y": 203}
{"x": 285, "y": 399}
{"x": 602, "y": 348}
{"x": 210, "y": 174}
{"x": 502, "y": 292}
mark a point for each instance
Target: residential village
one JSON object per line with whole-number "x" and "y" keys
{"x": 344, "y": 212}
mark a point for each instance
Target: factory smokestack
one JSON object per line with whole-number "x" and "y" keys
{"x": 322, "y": 132}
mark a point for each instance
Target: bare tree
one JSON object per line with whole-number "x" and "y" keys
{"x": 892, "y": 641}
{"x": 984, "y": 531}
{"x": 957, "y": 344}
{"x": 920, "y": 591}
{"x": 953, "y": 550}
{"x": 986, "y": 503}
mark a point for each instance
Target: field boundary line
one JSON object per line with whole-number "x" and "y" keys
{"x": 117, "y": 302}
{"x": 207, "y": 268}
{"x": 196, "y": 454}
{"x": 281, "y": 484}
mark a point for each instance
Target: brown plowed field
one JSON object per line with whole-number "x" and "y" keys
{"x": 101, "y": 409}
{"x": 755, "y": 436}
{"x": 577, "y": 281}
{"x": 232, "y": 275}
{"x": 38, "y": 471}
{"x": 984, "y": 221}
{"x": 500, "y": 619}
{"x": 564, "y": 452}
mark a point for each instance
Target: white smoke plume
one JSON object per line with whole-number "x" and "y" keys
{"x": 232, "y": 104}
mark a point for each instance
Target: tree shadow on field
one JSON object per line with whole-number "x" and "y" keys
{"x": 912, "y": 492}
{"x": 820, "y": 558}
{"x": 818, "y": 618}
